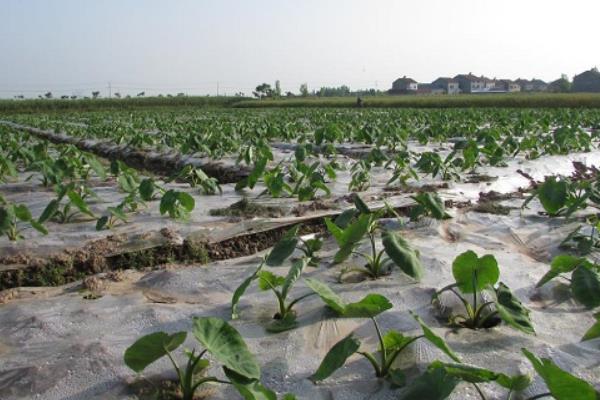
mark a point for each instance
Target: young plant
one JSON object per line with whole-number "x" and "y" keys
{"x": 196, "y": 177}
{"x": 584, "y": 281}
{"x": 108, "y": 221}
{"x": 310, "y": 247}
{"x": 391, "y": 345}
{"x": 64, "y": 213}
{"x": 440, "y": 380}
{"x": 11, "y": 215}
{"x": 285, "y": 318}
{"x": 217, "y": 337}
{"x": 398, "y": 251}
{"x": 560, "y": 196}
{"x": 361, "y": 177}
{"x": 177, "y": 204}
{"x": 428, "y": 204}
{"x": 476, "y": 276}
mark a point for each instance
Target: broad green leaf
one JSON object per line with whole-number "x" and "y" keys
{"x": 146, "y": 189}
{"x": 22, "y": 212}
{"x": 560, "y": 264}
{"x": 239, "y": 292}
{"x": 101, "y": 222}
{"x": 343, "y": 253}
{"x": 284, "y": 248}
{"x": 293, "y": 275}
{"x": 38, "y": 227}
{"x": 434, "y": 384}
{"x": 356, "y": 230}
{"x": 432, "y": 203}
{"x": 435, "y": 339}
{"x": 49, "y": 211}
{"x": 585, "y": 285}
{"x": 370, "y": 306}
{"x": 96, "y": 166}
{"x": 268, "y": 280}
{"x": 80, "y": 203}
{"x": 249, "y": 389}
{"x": 472, "y": 272}
{"x": 328, "y": 296}
{"x": 360, "y": 205}
{"x": 167, "y": 202}
{"x": 394, "y": 340}
{"x": 467, "y": 373}
{"x": 512, "y": 311}
{"x": 336, "y": 357}
{"x": 226, "y": 345}
{"x": 344, "y": 219}
{"x": 150, "y": 348}
{"x": 553, "y": 194}
{"x": 594, "y": 331}
{"x": 335, "y": 231}
{"x": 404, "y": 256}
{"x": 186, "y": 201}
{"x": 561, "y": 384}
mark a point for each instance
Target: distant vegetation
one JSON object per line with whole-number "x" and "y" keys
{"x": 89, "y": 104}
{"x": 512, "y": 100}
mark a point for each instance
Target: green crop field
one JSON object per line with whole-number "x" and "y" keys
{"x": 462, "y": 227}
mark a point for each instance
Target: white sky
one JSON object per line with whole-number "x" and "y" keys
{"x": 76, "y": 46}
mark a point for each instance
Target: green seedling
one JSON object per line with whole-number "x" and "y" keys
{"x": 430, "y": 205}
{"x": 285, "y": 318}
{"x": 477, "y": 276}
{"x": 221, "y": 341}
{"x": 114, "y": 214}
{"x": 64, "y": 213}
{"x": 11, "y": 215}
{"x": 584, "y": 281}
{"x": 198, "y": 178}
{"x": 177, "y": 205}
{"x": 391, "y": 345}
{"x": 398, "y": 251}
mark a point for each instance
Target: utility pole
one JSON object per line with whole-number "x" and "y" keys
{"x": 217, "y": 88}
{"x": 109, "y": 90}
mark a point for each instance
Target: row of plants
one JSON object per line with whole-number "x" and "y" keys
{"x": 475, "y": 278}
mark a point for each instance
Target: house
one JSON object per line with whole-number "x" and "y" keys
{"x": 561, "y": 85}
{"x": 428, "y": 88}
{"x": 588, "y": 81}
{"x": 446, "y": 85}
{"x": 469, "y": 83}
{"x": 506, "y": 85}
{"x": 404, "y": 85}
{"x": 534, "y": 85}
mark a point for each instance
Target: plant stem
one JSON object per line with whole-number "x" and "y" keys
{"x": 372, "y": 361}
{"x": 380, "y": 337}
{"x": 480, "y": 392}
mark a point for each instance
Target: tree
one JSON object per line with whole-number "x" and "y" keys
{"x": 118, "y": 95}
{"x": 304, "y": 90}
{"x": 141, "y": 94}
{"x": 48, "y": 95}
{"x": 263, "y": 90}
{"x": 277, "y": 92}
{"x": 562, "y": 85}
{"x": 95, "y": 95}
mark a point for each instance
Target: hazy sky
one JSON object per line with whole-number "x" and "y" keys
{"x": 76, "y": 46}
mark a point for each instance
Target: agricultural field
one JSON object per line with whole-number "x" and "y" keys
{"x": 300, "y": 253}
